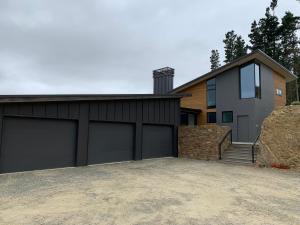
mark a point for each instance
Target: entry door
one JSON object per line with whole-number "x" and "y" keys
{"x": 243, "y": 128}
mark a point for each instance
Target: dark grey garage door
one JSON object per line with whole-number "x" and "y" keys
{"x": 30, "y": 144}
{"x": 110, "y": 142}
{"x": 157, "y": 141}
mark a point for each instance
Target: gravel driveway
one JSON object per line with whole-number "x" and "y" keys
{"x": 165, "y": 191}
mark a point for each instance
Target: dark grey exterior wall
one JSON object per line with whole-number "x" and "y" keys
{"x": 164, "y": 111}
{"x": 265, "y": 105}
{"x": 228, "y": 99}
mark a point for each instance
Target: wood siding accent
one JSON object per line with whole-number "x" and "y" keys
{"x": 279, "y": 83}
{"x": 197, "y": 101}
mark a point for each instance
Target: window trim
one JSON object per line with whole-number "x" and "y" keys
{"x": 208, "y": 117}
{"x": 254, "y": 62}
{"x": 223, "y": 112}
{"x": 213, "y": 106}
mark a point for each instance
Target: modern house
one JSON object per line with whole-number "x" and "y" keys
{"x": 239, "y": 94}
{"x": 52, "y": 131}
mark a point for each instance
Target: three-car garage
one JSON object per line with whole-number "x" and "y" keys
{"x": 43, "y": 132}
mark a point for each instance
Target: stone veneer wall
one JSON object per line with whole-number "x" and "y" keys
{"x": 279, "y": 142}
{"x": 201, "y": 142}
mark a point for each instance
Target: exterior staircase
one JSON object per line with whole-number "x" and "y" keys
{"x": 238, "y": 153}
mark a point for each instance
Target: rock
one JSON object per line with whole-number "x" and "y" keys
{"x": 279, "y": 142}
{"x": 201, "y": 142}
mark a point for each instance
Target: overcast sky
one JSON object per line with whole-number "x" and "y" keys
{"x": 112, "y": 46}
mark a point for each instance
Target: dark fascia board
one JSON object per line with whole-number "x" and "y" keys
{"x": 84, "y": 97}
{"x": 255, "y": 55}
{"x": 190, "y": 110}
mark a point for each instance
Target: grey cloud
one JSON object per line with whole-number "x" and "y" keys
{"x": 69, "y": 46}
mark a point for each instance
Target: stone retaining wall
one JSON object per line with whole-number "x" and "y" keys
{"x": 201, "y": 142}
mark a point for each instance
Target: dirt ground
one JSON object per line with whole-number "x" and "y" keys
{"x": 165, "y": 191}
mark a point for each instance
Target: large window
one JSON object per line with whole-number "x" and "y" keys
{"x": 227, "y": 117}
{"x": 250, "y": 86}
{"x": 211, "y": 93}
{"x": 211, "y": 117}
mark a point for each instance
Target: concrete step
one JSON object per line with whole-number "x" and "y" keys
{"x": 237, "y": 159}
{"x": 237, "y": 153}
{"x": 242, "y": 145}
{"x": 240, "y": 154}
{"x": 239, "y": 149}
{"x": 247, "y": 158}
{"x": 242, "y": 163}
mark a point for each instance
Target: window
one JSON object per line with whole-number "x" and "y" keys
{"x": 211, "y": 117}
{"x": 257, "y": 81}
{"x": 188, "y": 119}
{"x": 227, "y": 117}
{"x": 184, "y": 119}
{"x": 278, "y": 92}
{"x": 211, "y": 93}
{"x": 250, "y": 86}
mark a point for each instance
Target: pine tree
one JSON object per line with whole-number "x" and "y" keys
{"x": 273, "y": 5}
{"x": 290, "y": 53}
{"x": 289, "y": 43}
{"x": 269, "y": 28}
{"x": 240, "y": 48}
{"x": 215, "y": 59}
{"x": 255, "y": 37}
{"x": 235, "y": 46}
{"x": 229, "y": 41}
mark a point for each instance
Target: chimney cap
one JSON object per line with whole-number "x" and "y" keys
{"x": 164, "y": 71}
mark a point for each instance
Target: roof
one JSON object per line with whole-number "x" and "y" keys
{"x": 255, "y": 55}
{"x": 83, "y": 97}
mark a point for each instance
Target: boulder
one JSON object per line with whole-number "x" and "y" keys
{"x": 279, "y": 142}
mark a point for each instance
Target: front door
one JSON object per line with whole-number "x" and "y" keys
{"x": 243, "y": 128}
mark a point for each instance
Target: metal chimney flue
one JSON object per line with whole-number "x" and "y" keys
{"x": 163, "y": 80}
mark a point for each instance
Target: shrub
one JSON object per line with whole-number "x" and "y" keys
{"x": 295, "y": 103}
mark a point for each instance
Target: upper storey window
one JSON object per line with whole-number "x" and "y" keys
{"x": 250, "y": 86}
{"x": 211, "y": 93}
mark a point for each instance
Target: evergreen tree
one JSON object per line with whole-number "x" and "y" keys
{"x": 269, "y": 29}
{"x": 215, "y": 60}
{"x": 255, "y": 37}
{"x": 273, "y": 5}
{"x": 289, "y": 43}
{"x": 235, "y": 46}
{"x": 240, "y": 48}
{"x": 290, "y": 53}
{"x": 229, "y": 41}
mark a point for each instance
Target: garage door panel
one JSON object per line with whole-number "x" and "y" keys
{"x": 110, "y": 142}
{"x": 30, "y": 144}
{"x": 157, "y": 141}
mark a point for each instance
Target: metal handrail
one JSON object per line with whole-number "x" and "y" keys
{"x": 253, "y": 148}
{"x": 222, "y": 141}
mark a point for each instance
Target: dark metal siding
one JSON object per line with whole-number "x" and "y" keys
{"x": 164, "y": 111}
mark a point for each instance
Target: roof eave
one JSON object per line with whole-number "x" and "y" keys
{"x": 258, "y": 54}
